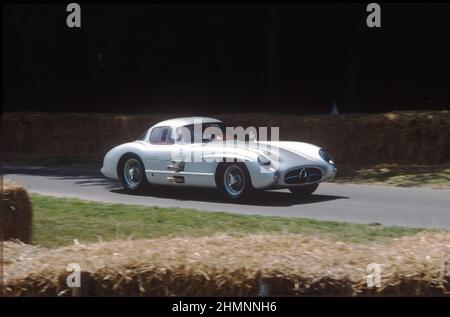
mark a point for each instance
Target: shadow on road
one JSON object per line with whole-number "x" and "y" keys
{"x": 260, "y": 198}
{"x": 54, "y": 171}
{"x": 79, "y": 176}
{"x": 91, "y": 177}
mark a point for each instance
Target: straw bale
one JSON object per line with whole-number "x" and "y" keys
{"x": 290, "y": 264}
{"x": 16, "y": 213}
{"x": 354, "y": 139}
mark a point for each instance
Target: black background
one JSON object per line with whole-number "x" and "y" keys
{"x": 206, "y": 58}
{"x": 350, "y": 306}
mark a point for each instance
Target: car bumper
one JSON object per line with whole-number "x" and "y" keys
{"x": 264, "y": 178}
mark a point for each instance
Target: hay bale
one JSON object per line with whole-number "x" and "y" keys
{"x": 354, "y": 139}
{"x": 16, "y": 213}
{"x": 290, "y": 264}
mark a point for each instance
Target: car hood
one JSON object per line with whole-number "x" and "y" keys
{"x": 282, "y": 150}
{"x": 291, "y": 150}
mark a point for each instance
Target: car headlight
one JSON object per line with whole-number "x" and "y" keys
{"x": 262, "y": 160}
{"x": 326, "y": 156}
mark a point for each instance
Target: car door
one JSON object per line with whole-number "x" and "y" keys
{"x": 188, "y": 162}
{"x": 160, "y": 157}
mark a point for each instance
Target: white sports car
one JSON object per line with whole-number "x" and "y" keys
{"x": 198, "y": 151}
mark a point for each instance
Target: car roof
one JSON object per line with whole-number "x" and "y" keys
{"x": 179, "y": 122}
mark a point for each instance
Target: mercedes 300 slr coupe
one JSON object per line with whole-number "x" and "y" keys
{"x": 199, "y": 152}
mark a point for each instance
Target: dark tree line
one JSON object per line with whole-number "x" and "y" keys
{"x": 292, "y": 58}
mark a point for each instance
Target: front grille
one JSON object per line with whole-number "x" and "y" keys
{"x": 303, "y": 175}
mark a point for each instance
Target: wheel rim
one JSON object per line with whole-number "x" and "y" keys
{"x": 234, "y": 180}
{"x": 132, "y": 173}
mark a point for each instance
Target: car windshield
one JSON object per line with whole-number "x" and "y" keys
{"x": 209, "y": 132}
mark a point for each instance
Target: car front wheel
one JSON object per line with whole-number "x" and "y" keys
{"x": 234, "y": 181}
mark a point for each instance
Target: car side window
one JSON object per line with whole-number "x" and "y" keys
{"x": 161, "y": 135}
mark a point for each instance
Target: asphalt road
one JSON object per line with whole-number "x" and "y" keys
{"x": 370, "y": 204}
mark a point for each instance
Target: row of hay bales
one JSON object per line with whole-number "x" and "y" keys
{"x": 361, "y": 139}
{"x": 16, "y": 214}
{"x": 286, "y": 264}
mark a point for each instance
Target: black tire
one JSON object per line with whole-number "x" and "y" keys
{"x": 303, "y": 191}
{"x": 242, "y": 186}
{"x": 131, "y": 172}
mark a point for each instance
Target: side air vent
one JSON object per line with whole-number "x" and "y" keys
{"x": 175, "y": 179}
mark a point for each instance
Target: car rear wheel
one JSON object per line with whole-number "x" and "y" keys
{"x": 234, "y": 181}
{"x": 132, "y": 174}
{"x": 303, "y": 191}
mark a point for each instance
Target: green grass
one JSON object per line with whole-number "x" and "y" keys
{"x": 58, "y": 221}
{"x": 433, "y": 176}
